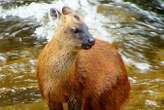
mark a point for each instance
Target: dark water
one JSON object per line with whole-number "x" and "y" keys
{"x": 135, "y": 27}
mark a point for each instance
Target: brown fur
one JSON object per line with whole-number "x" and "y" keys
{"x": 93, "y": 79}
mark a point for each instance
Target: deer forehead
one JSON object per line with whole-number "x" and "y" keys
{"x": 73, "y": 19}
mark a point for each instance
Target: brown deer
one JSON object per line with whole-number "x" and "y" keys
{"x": 80, "y": 71}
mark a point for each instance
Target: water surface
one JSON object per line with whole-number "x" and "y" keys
{"x": 135, "y": 27}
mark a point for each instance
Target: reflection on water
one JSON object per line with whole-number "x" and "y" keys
{"x": 135, "y": 29}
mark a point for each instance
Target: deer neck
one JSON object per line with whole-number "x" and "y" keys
{"x": 64, "y": 59}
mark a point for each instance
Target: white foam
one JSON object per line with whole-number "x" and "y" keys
{"x": 39, "y": 10}
{"x": 142, "y": 67}
{"x": 34, "y": 10}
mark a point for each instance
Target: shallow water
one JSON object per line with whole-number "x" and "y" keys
{"x": 136, "y": 28}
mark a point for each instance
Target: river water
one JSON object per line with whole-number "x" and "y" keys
{"x": 135, "y": 27}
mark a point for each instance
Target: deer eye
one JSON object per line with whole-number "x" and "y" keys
{"x": 75, "y": 30}
{"x": 77, "y": 17}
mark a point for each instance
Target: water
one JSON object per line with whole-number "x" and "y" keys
{"x": 135, "y": 27}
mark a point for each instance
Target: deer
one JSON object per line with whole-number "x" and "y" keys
{"x": 77, "y": 71}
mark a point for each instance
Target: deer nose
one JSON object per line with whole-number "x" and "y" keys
{"x": 91, "y": 40}
{"x": 88, "y": 43}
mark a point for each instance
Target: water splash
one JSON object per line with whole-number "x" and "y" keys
{"x": 111, "y": 28}
{"x": 134, "y": 31}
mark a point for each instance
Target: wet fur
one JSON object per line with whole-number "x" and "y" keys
{"x": 97, "y": 77}
{"x": 94, "y": 79}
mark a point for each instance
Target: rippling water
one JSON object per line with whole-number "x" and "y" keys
{"x": 135, "y": 27}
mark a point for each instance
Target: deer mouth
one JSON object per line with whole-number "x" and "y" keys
{"x": 87, "y": 45}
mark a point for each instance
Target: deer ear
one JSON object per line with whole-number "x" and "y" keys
{"x": 54, "y": 13}
{"x": 66, "y": 10}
